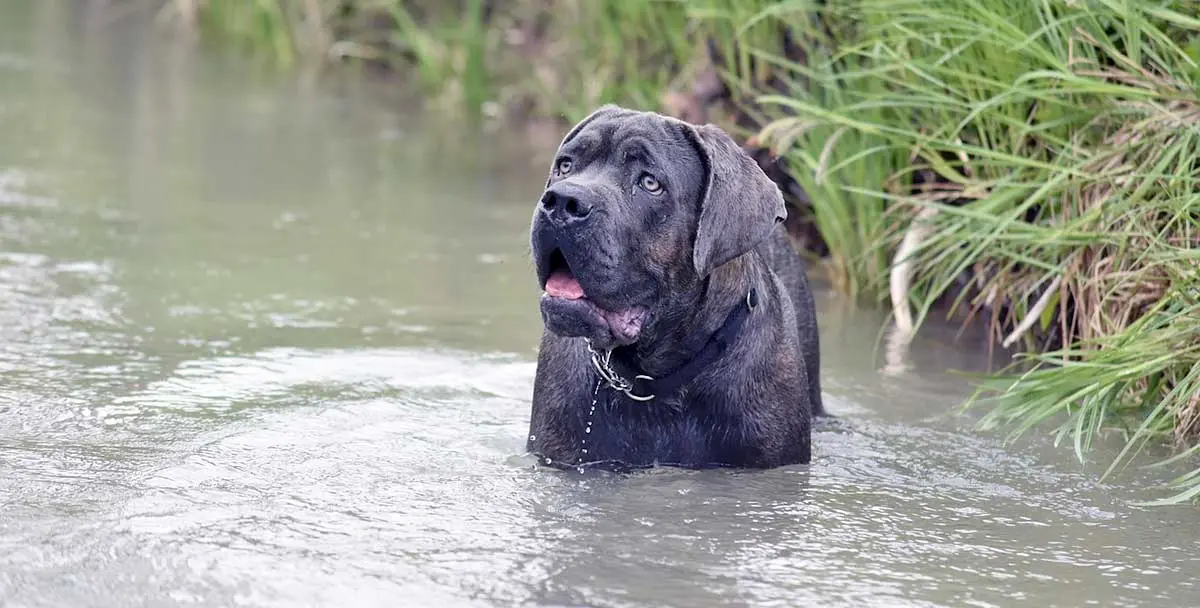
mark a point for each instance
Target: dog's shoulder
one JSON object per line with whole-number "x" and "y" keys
{"x": 779, "y": 254}
{"x": 789, "y": 266}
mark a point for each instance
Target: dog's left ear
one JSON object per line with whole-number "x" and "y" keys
{"x": 739, "y": 204}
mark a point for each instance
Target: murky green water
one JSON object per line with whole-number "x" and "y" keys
{"x": 267, "y": 342}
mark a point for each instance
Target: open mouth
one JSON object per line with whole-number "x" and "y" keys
{"x": 563, "y": 287}
{"x": 562, "y": 282}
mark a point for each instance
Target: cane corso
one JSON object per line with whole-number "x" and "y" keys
{"x": 679, "y": 325}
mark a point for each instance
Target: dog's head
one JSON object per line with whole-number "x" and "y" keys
{"x": 638, "y": 207}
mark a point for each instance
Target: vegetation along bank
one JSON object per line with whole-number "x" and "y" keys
{"x": 1031, "y": 165}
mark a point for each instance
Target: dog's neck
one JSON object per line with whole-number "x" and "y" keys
{"x": 702, "y": 310}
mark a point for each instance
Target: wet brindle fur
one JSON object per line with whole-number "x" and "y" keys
{"x": 688, "y": 255}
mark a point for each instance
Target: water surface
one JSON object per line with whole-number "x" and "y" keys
{"x": 269, "y": 340}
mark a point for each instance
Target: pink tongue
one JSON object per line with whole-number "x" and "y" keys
{"x": 562, "y": 284}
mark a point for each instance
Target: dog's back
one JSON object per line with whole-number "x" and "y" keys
{"x": 790, "y": 267}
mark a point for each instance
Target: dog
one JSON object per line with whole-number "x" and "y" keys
{"x": 679, "y": 328}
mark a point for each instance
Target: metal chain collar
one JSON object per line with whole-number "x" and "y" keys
{"x": 603, "y": 364}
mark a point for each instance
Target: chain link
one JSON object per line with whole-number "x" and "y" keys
{"x": 603, "y": 364}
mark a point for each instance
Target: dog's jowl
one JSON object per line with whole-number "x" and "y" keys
{"x": 679, "y": 325}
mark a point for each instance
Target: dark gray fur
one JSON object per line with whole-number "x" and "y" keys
{"x": 688, "y": 256}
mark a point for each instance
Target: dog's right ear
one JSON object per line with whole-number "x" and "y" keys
{"x": 604, "y": 110}
{"x": 739, "y": 204}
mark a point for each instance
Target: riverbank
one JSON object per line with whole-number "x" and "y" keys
{"x": 1030, "y": 167}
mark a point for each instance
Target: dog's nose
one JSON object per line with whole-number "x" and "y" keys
{"x": 566, "y": 204}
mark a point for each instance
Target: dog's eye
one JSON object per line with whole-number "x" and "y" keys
{"x": 564, "y": 166}
{"x": 650, "y": 184}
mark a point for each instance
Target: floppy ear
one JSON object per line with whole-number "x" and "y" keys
{"x": 604, "y": 110}
{"x": 739, "y": 204}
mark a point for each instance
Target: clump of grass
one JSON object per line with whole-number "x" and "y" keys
{"x": 560, "y": 58}
{"x": 285, "y": 28}
{"x": 1064, "y": 139}
{"x": 588, "y": 53}
{"x": 445, "y": 43}
{"x": 1143, "y": 381}
{"x": 831, "y": 140}
{"x": 448, "y": 48}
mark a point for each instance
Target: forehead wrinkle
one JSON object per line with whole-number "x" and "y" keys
{"x": 583, "y": 143}
{"x": 633, "y": 145}
{"x": 639, "y": 128}
{"x": 660, "y": 137}
{"x": 644, "y": 150}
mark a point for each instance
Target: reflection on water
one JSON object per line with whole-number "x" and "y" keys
{"x": 269, "y": 341}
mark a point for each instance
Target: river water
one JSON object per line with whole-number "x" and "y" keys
{"x": 268, "y": 340}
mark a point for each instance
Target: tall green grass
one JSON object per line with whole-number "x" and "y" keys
{"x": 1057, "y": 141}
{"x": 277, "y": 26}
{"x": 599, "y": 52}
{"x": 585, "y": 53}
{"x": 1066, "y": 139}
